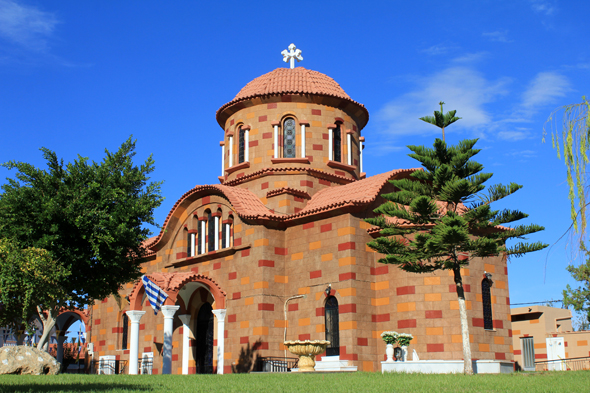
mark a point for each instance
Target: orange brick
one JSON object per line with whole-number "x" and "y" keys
{"x": 248, "y": 301}
{"x": 303, "y": 291}
{"x": 488, "y": 267}
{"x": 347, "y": 261}
{"x": 304, "y": 321}
{"x": 431, "y": 280}
{"x": 456, "y": 338}
{"x": 364, "y": 225}
{"x": 160, "y": 326}
{"x": 432, "y": 297}
{"x": 284, "y": 202}
{"x": 455, "y": 304}
{"x": 244, "y": 324}
{"x": 346, "y": 231}
{"x": 380, "y": 301}
{"x": 245, "y": 280}
{"x": 297, "y": 256}
{"x": 261, "y": 284}
{"x": 102, "y": 332}
{"x": 249, "y": 231}
{"x": 280, "y": 323}
{"x": 109, "y": 309}
{"x": 316, "y": 123}
{"x": 348, "y": 325}
{"x": 260, "y": 242}
{"x": 516, "y": 332}
{"x": 344, "y": 292}
{"x": 368, "y": 366}
{"x": 582, "y": 343}
{"x": 280, "y": 184}
{"x": 327, "y": 257}
{"x": 500, "y": 284}
{"x": 147, "y": 337}
{"x": 534, "y": 321}
{"x": 315, "y": 245}
{"x": 377, "y": 286}
{"x": 435, "y": 331}
{"x": 320, "y": 328}
{"x": 111, "y": 347}
{"x": 499, "y": 340}
{"x": 282, "y": 279}
{"x": 402, "y": 307}
{"x": 261, "y": 331}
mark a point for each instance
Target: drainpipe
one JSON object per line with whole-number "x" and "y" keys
{"x": 285, "y": 310}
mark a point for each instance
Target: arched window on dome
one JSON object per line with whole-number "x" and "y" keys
{"x": 486, "y": 298}
{"x": 289, "y": 135}
{"x": 241, "y": 145}
{"x": 201, "y": 233}
{"x": 226, "y": 232}
{"x": 124, "y": 330}
{"x": 210, "y": 231}
{"x": 337, "y": 143}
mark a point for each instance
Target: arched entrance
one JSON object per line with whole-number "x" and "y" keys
{"x": 332, "y": 329}
{"x": 204, "y": 340}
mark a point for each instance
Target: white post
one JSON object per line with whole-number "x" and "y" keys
{"x": 60, "y": 345}
{"x": 216, "y": 233}
{"x": 192, "y": 237}
{"x": 227, "y": 237}
{"x": 203, "y": 236}
{"x": 246, "y": 145}
{"x": 330, "y": 145}
{"x": 222, "y": 144}
{"x": 134, "y": 317}
{"x": 303, "y": 141}
{"x": 220, "y": 314}
{"x": 168, "y": 312}
{"x": 361, "y": 147}
{"x": 185, "y": 319}
{"x": 349, "y": 148}
{"x": 276, "y": 135}
{"x": 231, "y": 151}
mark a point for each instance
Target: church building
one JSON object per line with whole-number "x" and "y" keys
{"x": 277, "y": 249}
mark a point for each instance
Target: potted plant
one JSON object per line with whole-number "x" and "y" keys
{"x": 403, "y": 339}
{"x": 390, "y": 338}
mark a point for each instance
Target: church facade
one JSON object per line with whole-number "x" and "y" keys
{"x": 277, "y": 249}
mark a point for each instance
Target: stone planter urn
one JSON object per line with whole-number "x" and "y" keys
{"x": 307, "y": 351}
{"x": 389, "y": 353}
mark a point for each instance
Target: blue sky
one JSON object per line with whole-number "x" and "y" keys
{"x": 79, "y": 77}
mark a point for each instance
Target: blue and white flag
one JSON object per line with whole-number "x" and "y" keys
{"x": 154, "y": 293}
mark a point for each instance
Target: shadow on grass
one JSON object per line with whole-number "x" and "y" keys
{"x": 86, "y": 387}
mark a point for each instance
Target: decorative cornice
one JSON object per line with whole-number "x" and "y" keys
{"x": 288, "y": 190}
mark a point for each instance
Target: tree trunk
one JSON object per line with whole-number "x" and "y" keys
{"x": 468, "y": 368}
{"x": 48, "y": 324}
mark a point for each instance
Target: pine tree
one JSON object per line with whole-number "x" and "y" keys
{"x": 442, "y": 219}
{"x": 440, "y": 120}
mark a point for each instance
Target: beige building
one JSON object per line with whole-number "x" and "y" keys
{"x": 542, "y": 333}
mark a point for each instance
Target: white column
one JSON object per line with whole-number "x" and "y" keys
{"x": 246, "y": 145}
{"x": 227, "y": 235}
{"x": 276, "y": 136}
{"x": 203, "y": 236}
{"x": 330, "y": 145}
{"x": 134, "y": 317}
{"x": 231, "y": 151}
{"x": 168, "y": 312}
{"x": 192, "y": 237}
{"x": 60, "y": 346}
{"x": 361, "y": 146}
{"x": 349, "y": 147}
{"x": 222, "y": 144}
{"x": 185, "y": 319}
{"x": 220, "y": 314}
{"x": 303, "y": 141}
{"x": 216, "y": 233}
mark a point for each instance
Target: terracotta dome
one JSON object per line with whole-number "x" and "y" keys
{"x": 291, "y": 81}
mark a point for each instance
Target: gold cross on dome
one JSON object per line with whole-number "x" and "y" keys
{"x": 292, "y": 54}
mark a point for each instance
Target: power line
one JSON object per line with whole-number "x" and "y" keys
{"x": 544, "y": 302}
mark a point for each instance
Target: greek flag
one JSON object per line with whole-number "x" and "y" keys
{"x": 154, "y": 293}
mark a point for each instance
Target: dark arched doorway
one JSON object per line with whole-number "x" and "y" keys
{"x": 332, "y": 331}
{"x": 204, "y": 355}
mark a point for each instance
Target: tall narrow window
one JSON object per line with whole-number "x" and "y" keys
{"x": 125, "y": 322}
{"x": 332, "y": 327}
{"x": 241, "y": 145}
{"x": 190, "y": 244}
{"x": 528, "y": 353}
{"x": 289, "y": 138}
{"x": 210, "y": 232}
{"x": 337, "y": 143}
{"x": 200, "y": 243}
{"x": 486, "y": 298}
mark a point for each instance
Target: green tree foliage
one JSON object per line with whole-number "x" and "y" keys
{"x": 579, "y": 298}
{"x": 440, "y": 120}
{"x": 89, "y": 216}
{"x": 441, "y": 218}
{"x": 28, "y": 278}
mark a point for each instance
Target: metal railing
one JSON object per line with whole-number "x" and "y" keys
{"x": 273, "y": 364}
{"x": 571, "y": 364}
{"x": 109, "y": 367}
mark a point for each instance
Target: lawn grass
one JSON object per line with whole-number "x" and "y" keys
{"x": 570, "y": 381}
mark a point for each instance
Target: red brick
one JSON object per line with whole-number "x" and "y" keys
{"x": 406, "y": 323}
{"x": 315, "y": 274}
{"x": 316, "y": 112}
{"x": 347, "y": 276}
{"x": 266, "y": 263}
{"x": 271, "y": 106}
{"x": 237, "y": 295}
{"x": 432, "y": 314}
{"x": 517, "y": 352}
{"x": 326, "y": 228}
{"x": 346, "y": 246}
{"x": 217, "y": 266}
{"x": 253, "y": 143}
{"x": 324, "y": 182}
{"x": 102, "y": 342}
{"x": 147, "y": 349}
{"x": 267, "y": 135}
{"x": 498, "y": 324}
{"x": 227, "y": 369}
{"x": 246, "y": 252}
{"x": 306, "y": 183}
{"x": 508, "y": 301}
{"x": 116, "y": 330}
{"x": 353, "y": 127}
{"x": 347, "y": 308}
{"x": 232, "y": 276}
{"x": 453, "y": 288}
{"x": 362, "y": 342}
{"x": 380, "y": 318}
{"x": 281, "y": 251}
{"x": 318, "y": 147}
{"x": 326, "y": 136}
{"x": 477, "y": 322}
{"x": 206, "y": 200}
{"x": 320, "y": 312}
{"x": 540, "y": 356}
{"x": 340, "y": 173}
{"x": 244, "y": 340}
{"x": 435, "y": 347}
{"x": 377, "y": 271}
{"x": 106, "y": 299}
{"x": 293, "y": 306}
{"x": 409, "y": 290}
{"x": 231, "y": 318}
{"x": 238, "y": 242}
{"x": 195, "y": 270}
{"x": 509, "y": 332}
{"x": 262, "y": 118}
{"x": 97, "y": 321}
{"x": 263, "y": 345}
{"x": 304, "y": 337}
{"x": 231, "y": 123}
{"x": 266, "y": 307}
{"x": 308, "y": 225}
{"x": 214, "y": 342}
{"x": 175, "y": 357}
{"x": 142, "y": 326}
{"x": 180, "y": 255}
